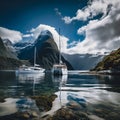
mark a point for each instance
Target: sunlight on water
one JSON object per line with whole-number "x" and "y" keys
{"x": 8, "y": 107}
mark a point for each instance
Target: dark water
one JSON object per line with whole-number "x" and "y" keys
{"x": 98, "y": 95}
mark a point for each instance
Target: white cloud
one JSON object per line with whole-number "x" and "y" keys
{"x": 82, "y": 30}
{"x": 72, "y": 44}
{"x": 67, "y": 19}
{"x": 80, "y": 15}
{"x": 27, "y": 35}
{"x": 12, "y": 35}
{"x": 101, "y": 35}
{"x": 36, "y": 32}
{"x": 94, "y": 7}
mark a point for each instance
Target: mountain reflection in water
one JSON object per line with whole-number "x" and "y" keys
{"x": 88, "y": 92}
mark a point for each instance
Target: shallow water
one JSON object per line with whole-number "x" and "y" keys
{"x": 96, "y": 95}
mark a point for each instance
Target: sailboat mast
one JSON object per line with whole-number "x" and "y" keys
{"x": 34, "y": 56}
{"x": 59, "y": 48}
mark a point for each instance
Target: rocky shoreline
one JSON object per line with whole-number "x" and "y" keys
{"x": 104, "y": 72}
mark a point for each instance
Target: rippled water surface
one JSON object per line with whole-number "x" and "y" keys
{"x": 96, "y": 95}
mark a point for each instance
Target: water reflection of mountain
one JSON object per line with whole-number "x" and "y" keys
{"x": 112, "y": 81}
{"x": 37, "y": 84}
{"x": 109, "y": 79}
{"x": 83, "y": 80}
{"x": 7, "y": 78}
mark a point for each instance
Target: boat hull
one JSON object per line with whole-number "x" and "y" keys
{"x": 59, "y": 70}
{"x": 29, "y": 71}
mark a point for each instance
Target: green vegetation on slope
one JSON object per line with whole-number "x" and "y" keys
{"x": 110, "y": 62}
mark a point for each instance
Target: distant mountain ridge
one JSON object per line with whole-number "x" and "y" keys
{"x": 83, "y": 61}
{"x": 110, "y": 62}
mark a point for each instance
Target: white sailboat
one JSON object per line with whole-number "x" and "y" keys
{"x": 60, "y": 68}
{"x": 31, "y": 70}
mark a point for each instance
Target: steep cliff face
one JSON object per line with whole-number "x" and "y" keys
{"x": 3, "y": 51}
{"x": 8, "y": 59}
{"x": 47, "y": 51}
{"x": 111, "y": 61}
{"x": 6, "y": 49}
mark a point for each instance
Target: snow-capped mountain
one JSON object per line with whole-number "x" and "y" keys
{"x": 47, "y": 51}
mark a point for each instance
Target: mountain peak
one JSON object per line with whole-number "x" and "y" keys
{"x": 45, "y": 34}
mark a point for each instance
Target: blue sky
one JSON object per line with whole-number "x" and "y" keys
{"x": 22, "y": 15}
{"x": 87, "y": 26}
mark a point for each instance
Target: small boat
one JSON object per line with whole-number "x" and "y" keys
{"x": 26, "y": 69}
{"x": 60, "y": 68}
{"x": 31, "y": 70}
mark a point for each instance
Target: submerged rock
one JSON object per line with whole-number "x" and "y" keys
{"x": 44, "y": 102}
{"x": 15, "y": 116}
{"x": 81, "y": 101}
{"x": 2, "y": 100}
{"x": 73, "y": 105}
{"x": 68, "y": 114}
{"x": 25, "y": 116}
{"x": 34, "y": 114}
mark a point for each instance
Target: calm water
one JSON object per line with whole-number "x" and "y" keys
{"x": 96, "y": 94}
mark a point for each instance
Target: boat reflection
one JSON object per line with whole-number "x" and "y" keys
{"x": 61, "y": 80}
{"x": 29, "y": 83}
{"x": 30, "y": 78}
